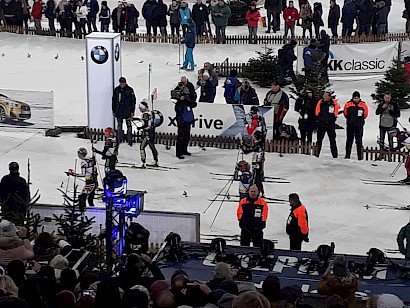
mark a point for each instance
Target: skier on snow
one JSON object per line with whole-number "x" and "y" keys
{"x": 148, "y": 134}
{"x": 244, "y": 176}
{"x": 89, "y": 173}
{"x": 110, "y": 151}
{"x": 403, "y": 140}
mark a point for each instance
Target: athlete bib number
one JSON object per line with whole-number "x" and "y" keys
{"x": 258, "y": 213}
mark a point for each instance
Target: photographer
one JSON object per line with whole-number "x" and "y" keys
{"x": 185, "y": 97}
{"x": 389, "y": 112}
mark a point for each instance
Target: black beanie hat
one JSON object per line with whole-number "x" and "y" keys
{"x": 356, "y": 94}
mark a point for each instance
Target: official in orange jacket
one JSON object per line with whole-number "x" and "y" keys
{"x": 252, "y": 214}
{"x": 327, "y": 110}
{"x": 355, "y": 112}
{"x": 297, "y": 226}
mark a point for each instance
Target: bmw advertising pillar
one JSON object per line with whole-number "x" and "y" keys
{"x": 103, "y": 71}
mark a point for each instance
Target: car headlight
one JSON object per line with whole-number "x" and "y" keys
{"x": 13, "y": 105}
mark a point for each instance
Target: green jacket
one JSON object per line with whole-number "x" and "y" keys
{"x": 221, "y": 20}
{"x": 404, "y": 234}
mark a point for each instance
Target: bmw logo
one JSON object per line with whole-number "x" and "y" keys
{"x": 99, "y": 54}
{"x": 117, "y": 52}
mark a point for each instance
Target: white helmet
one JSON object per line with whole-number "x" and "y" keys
{"x": 82, "y": 153}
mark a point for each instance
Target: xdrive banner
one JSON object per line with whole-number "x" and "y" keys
{"x": 213, "y": 119}
{"x": 357, "y": 59}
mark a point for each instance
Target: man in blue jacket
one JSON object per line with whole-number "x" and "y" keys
{"x": 189, "y": 41}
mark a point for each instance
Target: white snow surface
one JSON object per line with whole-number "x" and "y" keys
{"x": 330, "y": 188}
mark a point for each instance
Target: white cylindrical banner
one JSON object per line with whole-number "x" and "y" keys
{"x": 103, "y": 71}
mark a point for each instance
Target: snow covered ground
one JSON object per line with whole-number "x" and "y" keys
{"x": 330, "y": 188}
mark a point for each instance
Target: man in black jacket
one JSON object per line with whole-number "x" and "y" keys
{"x": 185, "y": 96}
{"x": 123, "y": 108}
{"x": 14, "y": 196}
{"x": 200, "y": 14}
{"x": 286, "y": 57}
{"x": 148, "y": 13}
{"x": 334, "y": 17}
{"x": 273, "y": 10}
{"x": 306, "y": 107}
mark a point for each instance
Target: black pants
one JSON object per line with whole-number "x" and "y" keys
{"x": 110, "y": 163}
{"x": 356, "y": 133}
{"x": 255, "y": 237}
{"x": 184, "y": 134}
{"x": 87, "y": 195}
{"x": 334, "y": 31}
{"x": 330, "y": 129}
{"x": 175, "y": 29}
{"x": 258, "y": 178}
{"x": 120, "y": 132}
{"x": 383, "y": 132}
{"x": 295, "y": 243}
{"x": 92, "y": 24}
{"x": 148, "y": 139}
{"x": 150, "y": 25}
{"x": 51, "y": 24}
{"x": 317, "y": 31}
{"x": 306, "y": 135}
{"x": 276, "y": 126}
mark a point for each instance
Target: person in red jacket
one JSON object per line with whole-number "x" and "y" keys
{"x": 327, "y": 110}
{"x": 297, "y": 226}
{"x": 252, "y": 214}
{"x": 252, "y": 16}
{"x": 291, "y": 15}
{"x": 355, "y": 112}
{"x": 36, "y": 13}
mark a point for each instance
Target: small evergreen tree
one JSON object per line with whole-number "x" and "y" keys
{"x": 73, "y": 224}
{"x": 263, "y": 69}
{"x": 396, "y": 82}
{"x": 316, "y": 78}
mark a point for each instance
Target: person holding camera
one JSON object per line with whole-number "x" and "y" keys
{"x": 185, "y": 97}
{"x": 297, "y": 225}
{"x": 123, "y": 108}
{"x": 208, "y": 81}
{"x": 389, "y": 113}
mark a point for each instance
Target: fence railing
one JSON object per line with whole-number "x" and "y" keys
{"x": 230, "y": 39}
{"x": 271, "y": 146}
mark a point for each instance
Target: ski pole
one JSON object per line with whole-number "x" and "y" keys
{"x": 220, "y": 206}
{"x": 179, "y": 55}
{"x": 213, "y": 200}
{"x": 396, "y": 169}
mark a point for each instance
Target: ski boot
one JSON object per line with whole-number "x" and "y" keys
{"x": 405, "y": 181}
{"x": 142, "y": 165}
{"x": 155, "y": 163}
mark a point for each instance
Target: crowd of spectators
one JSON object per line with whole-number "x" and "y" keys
{"x": 361, "y": 17}
{"x": 39, "y": 276}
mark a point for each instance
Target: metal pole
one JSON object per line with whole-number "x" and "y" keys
{"x": 149, "y": 78}
{"x": 220, "y": 206}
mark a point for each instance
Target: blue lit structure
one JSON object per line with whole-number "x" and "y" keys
{"x": 121, "y": 204}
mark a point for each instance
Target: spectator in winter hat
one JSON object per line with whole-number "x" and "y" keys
{"x": 341, "y": 282}
{"x": 385, "y": 301}
{"x": 11, "y": 246}
{"x": 252, "y": 16}
{"x": 200, "y": 15}
{"x": 208, "y": 81}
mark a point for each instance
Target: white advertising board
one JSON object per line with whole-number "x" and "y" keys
{"x": 357, "y": 59}
{"x": 103, "y": 71}
{"x": 213, "y": 119}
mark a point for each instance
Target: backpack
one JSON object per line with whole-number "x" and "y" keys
{"x": 188, "y": 115}
{"x": 230, "y": 85}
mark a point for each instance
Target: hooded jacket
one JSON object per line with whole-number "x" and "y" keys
{"x": 252, "y": 16}
{"x": 14, "y": 248}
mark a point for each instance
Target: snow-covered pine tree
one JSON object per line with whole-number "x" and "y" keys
{"x": 262, "y": 69}
{"x": 73, "y": 225}
{"x": 396, "y": 82}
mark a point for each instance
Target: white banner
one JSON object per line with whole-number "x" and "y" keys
{"x": 213, "y": 119}
{"x": 26, "y": 109}
{"x": 103, "y": 71}
{"x": 357, "y": 59}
